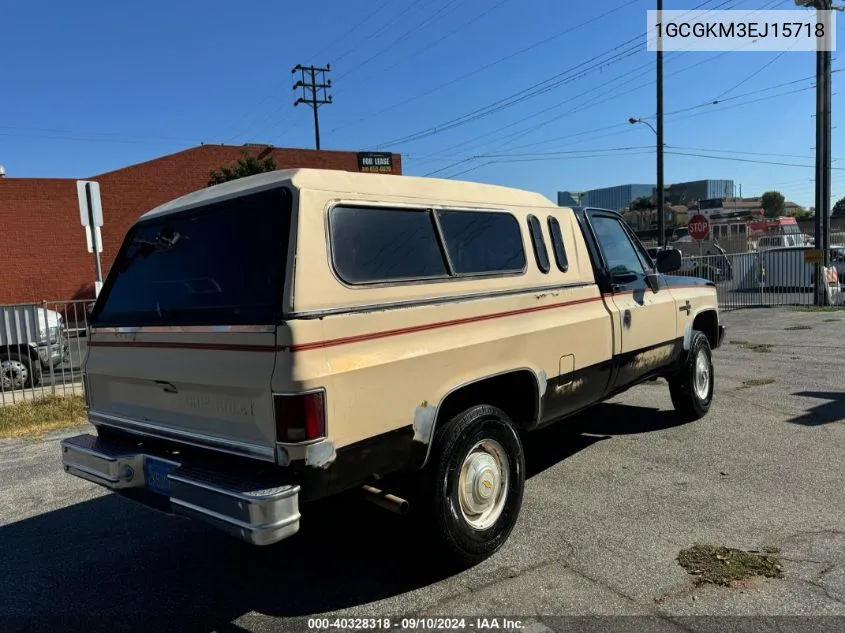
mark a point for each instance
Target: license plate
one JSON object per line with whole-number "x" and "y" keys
{"x": 155, "y": 475}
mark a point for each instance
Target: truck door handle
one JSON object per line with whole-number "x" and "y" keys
{"x": 685, "y": 308}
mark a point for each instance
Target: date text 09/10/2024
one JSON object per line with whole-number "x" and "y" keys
{"x": 415, "y": 624}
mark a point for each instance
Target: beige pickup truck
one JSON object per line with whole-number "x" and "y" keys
{"x": 281, "y": 338}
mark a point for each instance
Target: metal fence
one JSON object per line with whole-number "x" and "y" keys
{"x": 42, "y": 349}
{"x": 776, "y": 277}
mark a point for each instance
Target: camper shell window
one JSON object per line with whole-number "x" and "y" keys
{"x": 389, "y": 245}
{"x": 219, "y": 264}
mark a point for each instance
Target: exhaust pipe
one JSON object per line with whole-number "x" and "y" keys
{"x": 385, "y": 500}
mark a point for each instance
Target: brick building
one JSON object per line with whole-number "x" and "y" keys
{"x": 43, "y": 244}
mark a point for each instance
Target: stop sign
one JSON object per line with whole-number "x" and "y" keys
{"x": 698, "y": 227}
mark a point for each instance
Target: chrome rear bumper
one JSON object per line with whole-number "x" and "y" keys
{"x": 257, "y": 509}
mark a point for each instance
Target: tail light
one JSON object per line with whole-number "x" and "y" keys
{"x": 300, "y": 417}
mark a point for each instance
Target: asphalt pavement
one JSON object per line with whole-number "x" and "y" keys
{"x": 612, "y": 497}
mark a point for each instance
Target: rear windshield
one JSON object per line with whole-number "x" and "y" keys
{"x": 220, "y": 264}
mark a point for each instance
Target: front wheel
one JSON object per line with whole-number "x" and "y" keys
{"x": 691, "y": 387}
{"x": 476, "y": 482}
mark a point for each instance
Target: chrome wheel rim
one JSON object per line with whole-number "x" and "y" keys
{"x": 13, "y": 374}
{"x": 483, "y": 484}
{"x": 702, "y": 376}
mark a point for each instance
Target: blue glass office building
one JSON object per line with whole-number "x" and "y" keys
{"x": 695, "y": 190}
{"x": 621, "y": 196}
{"x": 613, "y": 198}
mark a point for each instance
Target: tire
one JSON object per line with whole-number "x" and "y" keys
{"x": 17, "y": 371}
{"x": 691, "y": 387}
{"x": 460, "y": 536}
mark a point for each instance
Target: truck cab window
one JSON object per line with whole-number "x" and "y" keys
{"x": 622, "y": 256}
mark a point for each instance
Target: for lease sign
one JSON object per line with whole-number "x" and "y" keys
{"x": 381, "y": 162}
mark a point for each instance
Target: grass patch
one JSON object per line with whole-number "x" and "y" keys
{"x": 758, "y": 347}
{"x": 739, "y": 342}
{"x": 798, "y": 327}
{"x": 756, "y": 382}
{"x": 818, "y": 309}
{"x": 725, "y": 565}
{"x": 33, "y": 418}
{"x": 831, "y": 320}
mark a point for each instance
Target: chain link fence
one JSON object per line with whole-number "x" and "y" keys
{"x": 42, "y": 349}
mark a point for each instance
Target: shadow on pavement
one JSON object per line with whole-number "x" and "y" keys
{"x": 828, "y": 412}
{"x": 548, "y": 446}
{"x": 121, "y": 565}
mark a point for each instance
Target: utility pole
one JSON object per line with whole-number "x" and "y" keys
{"x": 823, "y": 141}
{"x": 312, "y": 86}
{"x": 661, "y": 230}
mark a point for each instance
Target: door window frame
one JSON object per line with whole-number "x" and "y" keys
{"x": 639, "y": 249}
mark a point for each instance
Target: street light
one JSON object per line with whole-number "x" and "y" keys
{"x": 661, "y": 229}
{"x": 633, "y": 120}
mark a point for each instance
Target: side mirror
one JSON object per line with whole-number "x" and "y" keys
{"x": 669, "y": 260}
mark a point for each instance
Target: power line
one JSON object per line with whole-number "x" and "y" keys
{"x": 751, "y": 76}
{"x": 591, "y": 99}
{"x": 683, "y": 110}
{"x": 489, "y": 65}
{"x": 511, "y": 100}
{"x": 53, "y": 131}
{"x": 372, "y": 36}
{"x": 430, "y": 45}
{"x": 748, "y": 160}
{"x": 276, "y": 89}
{"x": 543, "y": 158}
{"x": 89, "y": 139}
{"x": 431, "y": 19}
{"x": 527, "y": 160}
{"x": 590, "y": 103}
{"x": 730, "y": 151}
{"x": 530, "y": 92}
{"x": 548, "y": 154}
{"x": 346, "y": 32}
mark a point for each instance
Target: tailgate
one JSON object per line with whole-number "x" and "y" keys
{"x": 183, "y": 334}
{"x": 210, "y": 388}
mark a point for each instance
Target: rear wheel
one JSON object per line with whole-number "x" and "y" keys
{"x": 17, "y": 371}
{"x": 691, "y": 387}
{"x": 475, "y": 484}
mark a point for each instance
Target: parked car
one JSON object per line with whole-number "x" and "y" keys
{"x": 769, "y": 242}
{"x": 712, "y": 267}
{"x": 32, "y": 340}
{"x": 288, "y": 336}
{"x": 837, "y": 259}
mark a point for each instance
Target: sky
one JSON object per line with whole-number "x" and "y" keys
{"x": 524, "y": 93}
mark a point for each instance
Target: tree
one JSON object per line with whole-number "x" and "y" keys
{"x": 772, "y": 203}
{"x": 839, "y": 208}
{"x": 249, "y": 165}
{"x": 643, "y": 203}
